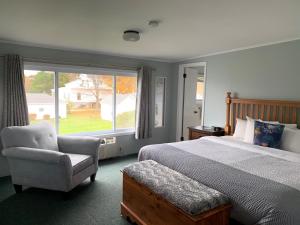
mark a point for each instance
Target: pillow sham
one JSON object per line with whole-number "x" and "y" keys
{"x": 249, "y": 133}
{"x": 240, "y": 128}
{"x": 268, "y": 134}
{"x": 290, "y": 140}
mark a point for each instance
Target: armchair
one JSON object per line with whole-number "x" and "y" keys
{"x": 37, "y": 157}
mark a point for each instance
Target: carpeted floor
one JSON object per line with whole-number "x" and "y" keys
{"x": 89, "y": 204}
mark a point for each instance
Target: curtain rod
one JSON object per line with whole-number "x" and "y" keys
{"x": 69, "y": 63}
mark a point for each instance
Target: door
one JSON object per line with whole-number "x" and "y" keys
{"x": 193, "y": 99}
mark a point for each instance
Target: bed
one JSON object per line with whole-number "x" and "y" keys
{"x": 263, "y": 183}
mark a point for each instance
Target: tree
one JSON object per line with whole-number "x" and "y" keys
{"x": 97, "y": 84}
{"x": 125, "y": 85}
{"x": 65, "y": 78}
{"x": 42, "y": 82}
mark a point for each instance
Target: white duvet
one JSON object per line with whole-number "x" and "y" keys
{"x": 250, "y": 158}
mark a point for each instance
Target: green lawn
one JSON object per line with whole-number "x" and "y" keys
{"x": 90, "y": 122}
{"x": 75, "y": 124}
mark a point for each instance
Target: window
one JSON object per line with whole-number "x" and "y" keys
{"x": 39, "y": 87}
{"x": 82, "y": 101}
{"x": 200, "y": 88}
{"x": 125, "y": 102}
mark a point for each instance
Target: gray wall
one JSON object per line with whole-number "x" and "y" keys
{"x": 265, "y": 72}
{"x": 271, "y": 72}
{"x": 125, "y": 144}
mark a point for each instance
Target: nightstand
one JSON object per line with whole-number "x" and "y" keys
{"x": 201, "y": 131}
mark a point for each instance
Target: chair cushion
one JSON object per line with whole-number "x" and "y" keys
{"x": 42, "y": 136}
{"x": 80, "y": 162}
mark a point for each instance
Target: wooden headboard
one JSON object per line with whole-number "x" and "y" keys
{"x": 269, "y": 110}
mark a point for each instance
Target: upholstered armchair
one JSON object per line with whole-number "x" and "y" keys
{"x": 37, "y": 157}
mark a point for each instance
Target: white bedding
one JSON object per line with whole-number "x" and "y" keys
{"x": 263, "y": 183}
{"x": 290, "y": 140}
{"x": 281, "y": 153}
{"x": 240, "y": 155}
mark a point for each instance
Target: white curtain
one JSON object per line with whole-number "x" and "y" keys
{"x": 143, "y": 103}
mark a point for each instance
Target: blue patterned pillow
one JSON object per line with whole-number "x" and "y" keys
{"x": 267, "y": 134}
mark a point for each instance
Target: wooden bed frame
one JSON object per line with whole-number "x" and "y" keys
{"x": 269, "y": 110}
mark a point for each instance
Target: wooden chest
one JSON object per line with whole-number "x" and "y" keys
{"x": 145, "y": 207}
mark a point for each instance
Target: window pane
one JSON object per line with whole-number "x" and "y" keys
{"x": 200, "y": 88}
{"x": 87, "y": 101}
{"x": 40, "y": 94}
{"x": 125, "y": 101}
{"x": 159, "y": 101}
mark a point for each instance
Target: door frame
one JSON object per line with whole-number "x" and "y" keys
{"x": 180, "y": 95}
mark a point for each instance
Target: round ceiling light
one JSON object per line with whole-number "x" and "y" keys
{"x": 131, "y": 35}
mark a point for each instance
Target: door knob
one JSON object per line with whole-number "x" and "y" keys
{"x": 195, "y": 112}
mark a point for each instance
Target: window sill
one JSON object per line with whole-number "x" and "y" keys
{"x": 103, "y": 134}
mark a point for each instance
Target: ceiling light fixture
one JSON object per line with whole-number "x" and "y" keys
{"x": 131, "y": 35}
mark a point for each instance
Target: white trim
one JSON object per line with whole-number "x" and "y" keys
{"x": 76, "y": 69}
{"x": 237, "y": 49}
{"x": 114, "y": 103}
{"x": 103, "y": 134}
{"x": 56, "y": 96}
{"x": 180, "y": 95}
{"x": 116, "y": 134}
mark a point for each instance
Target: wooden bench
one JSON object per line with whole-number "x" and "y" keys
{"x": 143, "y": 206}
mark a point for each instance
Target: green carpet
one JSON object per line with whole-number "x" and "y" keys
{"x": 89, "y": 204}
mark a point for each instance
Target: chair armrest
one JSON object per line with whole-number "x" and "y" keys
{"x": 79, "y": 145}
{"x": 34, "y": 154}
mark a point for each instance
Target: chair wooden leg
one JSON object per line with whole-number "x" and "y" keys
{"x": 18, "y": 188}
{"x": 93, "y": 177}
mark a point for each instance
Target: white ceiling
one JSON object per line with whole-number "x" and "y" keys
{"x": 189, "y": 28}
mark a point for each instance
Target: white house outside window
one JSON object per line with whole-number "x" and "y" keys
{"x": 81, "y": 100}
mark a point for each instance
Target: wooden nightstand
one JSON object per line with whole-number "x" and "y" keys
{"x": 201, "y": 131}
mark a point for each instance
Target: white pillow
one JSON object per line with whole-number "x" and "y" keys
{"x": 249, "y": 134}
{"x": 290, "y": 140}
{"x": 290, "y": 125}
{"x": 240, "y": 128}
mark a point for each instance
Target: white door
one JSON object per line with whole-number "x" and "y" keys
{"x": 193, "y": 99}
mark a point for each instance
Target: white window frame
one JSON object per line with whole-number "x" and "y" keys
{"x": 57, "y": 68}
